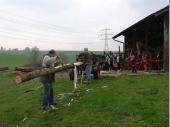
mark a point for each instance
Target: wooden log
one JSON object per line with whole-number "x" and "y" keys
{"x": 26, "y": 69}
{"x": 4, "y": 68}
{"x": 42, "y": 72}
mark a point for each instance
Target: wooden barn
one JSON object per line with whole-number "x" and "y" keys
{"x": 149, "y": 35}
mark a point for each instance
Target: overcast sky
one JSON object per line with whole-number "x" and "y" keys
{"x": 69, "y": 24}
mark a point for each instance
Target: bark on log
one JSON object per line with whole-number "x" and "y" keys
{"x": 41, "y": 72}
{"x": 26, "y": 69}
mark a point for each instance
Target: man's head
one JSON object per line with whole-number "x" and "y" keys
{"x": 85, "y": 49}
{"x": 52, "y": 53}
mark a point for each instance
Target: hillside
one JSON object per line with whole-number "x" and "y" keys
{"x": 126, "y": 101}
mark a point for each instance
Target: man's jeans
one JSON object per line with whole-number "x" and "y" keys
{"x": 88, "y": 71}
{"x": 48, "y": 95}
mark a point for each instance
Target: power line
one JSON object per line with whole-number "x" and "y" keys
{"x": 14, "y": 17}
{"x": 23, "y": 23}
{"x": 24, "y": 26}
{"x": 33, "y": 26}
{"x": 34, "y": 38}
{"x": 32, "y": 34}
{"x": 21, "y": 35}
{"x": 106, "y": 38}
{"x": 39, "y": 34}
{"x": 27, "y": 21}
{"x": 43, "y": 41}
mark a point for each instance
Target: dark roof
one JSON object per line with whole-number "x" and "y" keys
{"x": 158, "y": 13}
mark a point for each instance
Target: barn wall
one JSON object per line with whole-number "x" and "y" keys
{"x": 166, "y": 42}
{"x": 132, "y": 38}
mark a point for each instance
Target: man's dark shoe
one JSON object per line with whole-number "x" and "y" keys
{"x": 53, "y": 103}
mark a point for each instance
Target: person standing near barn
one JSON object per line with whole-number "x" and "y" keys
{"x": 110, "y": 61}
{"x": 47, "y": 81}
{"x": 88, "y": 64}
{"x": 133, "y": 62}
{"x": 107, "y": 62}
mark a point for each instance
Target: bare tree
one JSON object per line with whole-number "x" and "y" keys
{"x": 35, "y": 55}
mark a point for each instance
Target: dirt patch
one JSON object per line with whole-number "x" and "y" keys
{"x": 126, "y": 72}
{"x": 110, "y": 74}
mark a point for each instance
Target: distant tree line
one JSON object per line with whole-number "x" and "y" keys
{"x": 26, "y": 49}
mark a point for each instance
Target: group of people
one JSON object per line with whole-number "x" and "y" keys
{"x": 137, "y": 62}
{"x": 48, "y": 61}
{"x": 133, "y": 61}
{"x": 113, "y": 61}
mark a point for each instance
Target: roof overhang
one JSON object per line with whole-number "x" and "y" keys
{"x": 156, "y": 14}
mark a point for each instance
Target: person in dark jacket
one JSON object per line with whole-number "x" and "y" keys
{"x": 47, "y": 80}
{"x": 88, "y": 63}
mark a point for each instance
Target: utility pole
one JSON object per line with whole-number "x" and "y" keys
{"x": 106, "y": 38}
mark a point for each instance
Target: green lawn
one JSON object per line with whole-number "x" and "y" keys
{"x": 126, "y": 101}
{"x": 9, "y": 59}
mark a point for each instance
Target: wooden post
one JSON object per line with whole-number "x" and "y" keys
{"x": 75, "y": 77}
{"x": 146, "y": 35}
{"x": 166, "y": 43}
{"x": 119, "y": 49}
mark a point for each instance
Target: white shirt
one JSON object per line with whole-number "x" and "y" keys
{"x": 48, "y": 61}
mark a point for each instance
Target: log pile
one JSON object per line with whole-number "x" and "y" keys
{"x": 41, "y": 72}
{"x": 4, "y": 68}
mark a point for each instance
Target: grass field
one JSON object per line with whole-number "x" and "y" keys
{"x": 126, "y": 101}
{"x": 20, "y": 58}
{"x": 10, "y": 59}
